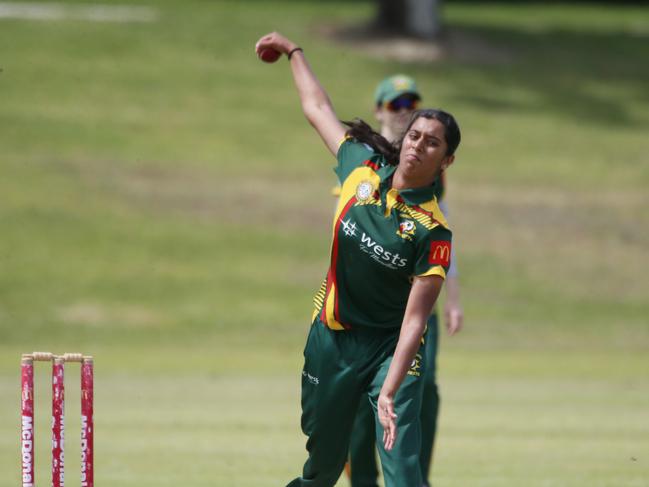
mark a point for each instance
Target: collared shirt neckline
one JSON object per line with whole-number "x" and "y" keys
{"x": 411, "y": 196}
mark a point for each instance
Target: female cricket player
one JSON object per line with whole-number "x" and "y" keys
{"x": 396, "y": 98}
{"x": 390, "y": 253}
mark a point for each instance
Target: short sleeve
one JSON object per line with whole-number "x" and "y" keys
{"x": 434, "y": 253}
{"x": 452, "y": 271}
{"x": 351, "y": 154}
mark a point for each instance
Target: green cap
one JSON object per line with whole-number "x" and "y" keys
{"x": 395, "y": 86}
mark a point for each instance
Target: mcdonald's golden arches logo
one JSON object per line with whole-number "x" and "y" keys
{"x": 440, "y": 253}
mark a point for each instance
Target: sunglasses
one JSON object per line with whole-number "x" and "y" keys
{"x": 402, "y": 102}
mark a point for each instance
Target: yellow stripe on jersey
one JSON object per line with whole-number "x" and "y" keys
{"x": 342, "y": 141}
{"x": 433, "y": 207}
{"x": 391, "y": 201}
{"x": 423, "y": 218}
{"x": 318, "y": 299}
{"x": 330, "y": 305}
{"x": 349, "y": 187}
{"x": 348, "y": 191}
{"x": 438, "y": 270}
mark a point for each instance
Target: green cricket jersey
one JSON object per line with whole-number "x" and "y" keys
{"x": 382, "y": 238}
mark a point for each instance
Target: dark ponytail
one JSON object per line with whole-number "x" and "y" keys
{"x": 362, "y": 132}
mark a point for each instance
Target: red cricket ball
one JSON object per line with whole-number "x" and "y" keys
{"x": 269, "y": 55}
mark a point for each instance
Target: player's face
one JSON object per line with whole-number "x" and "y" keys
{"x": 423, "y": 151}
{"x": 396, "y": 114}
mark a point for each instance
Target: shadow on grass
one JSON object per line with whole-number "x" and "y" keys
{"x": 590, "y": 77}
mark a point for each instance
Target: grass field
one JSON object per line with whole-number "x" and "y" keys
{"x": 164, "y": 206}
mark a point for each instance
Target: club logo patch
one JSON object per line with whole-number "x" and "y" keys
{"x": 440, "y": 253}
{"x": 364, "y": 191}
{"x": 401, "y": 83}
{"x": 406, "y": 229}
{"x": 415, "y": 367}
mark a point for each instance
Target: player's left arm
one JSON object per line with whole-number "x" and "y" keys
{"x": 423, "y": 294}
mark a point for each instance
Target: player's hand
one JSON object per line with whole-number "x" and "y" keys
{"x": 275, "y": 41}
{"x": 387, "y": 418}
{"x": 454, "y": 318}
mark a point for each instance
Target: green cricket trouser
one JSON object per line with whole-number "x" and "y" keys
{"x": 362, "y": 453}
{"x": 341, "y": 368}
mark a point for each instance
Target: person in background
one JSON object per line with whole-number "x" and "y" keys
{"x": 396, "y": 98}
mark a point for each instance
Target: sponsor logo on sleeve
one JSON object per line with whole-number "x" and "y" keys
{"x": 440, "y": 253}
